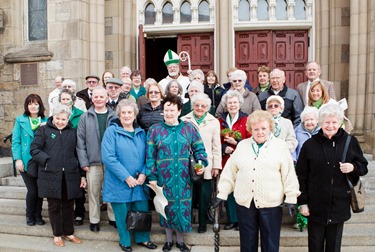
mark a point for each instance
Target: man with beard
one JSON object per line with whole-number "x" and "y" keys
{"x": 172, "y": 61}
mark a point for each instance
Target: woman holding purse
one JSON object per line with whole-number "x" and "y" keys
{"x": 123, "y": 154}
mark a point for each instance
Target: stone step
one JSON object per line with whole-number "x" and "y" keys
{"x": 10, "y": 243}
{"x": 354, "y": 234}
{"x": 18, "y": 207}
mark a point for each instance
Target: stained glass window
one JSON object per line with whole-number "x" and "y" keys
{"x": 167, "y": 13}
{"x": 150, "y": 14}
{"x": 185, "y": 12}
{"x": 204, "y": 12}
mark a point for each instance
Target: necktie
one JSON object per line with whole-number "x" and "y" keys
{"x": 113, "y": 103}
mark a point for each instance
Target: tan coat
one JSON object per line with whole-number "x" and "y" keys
{"x": 209, "y": 130}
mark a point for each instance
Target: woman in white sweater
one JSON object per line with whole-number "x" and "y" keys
{"x": 261, "y": 174}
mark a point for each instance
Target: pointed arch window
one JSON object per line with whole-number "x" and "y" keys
{"x": 204, "y": 11}
{"x": 300, "y": 9}
{"x": 244, "y": 10}
{"x": 262, "y": 11}
{"x": 37, "y": 19}
{"x": 167, "y": 13}
{"x": 185, "y": 12}
{"x": 150, "y": 14}
{"x": 281, "y": 10}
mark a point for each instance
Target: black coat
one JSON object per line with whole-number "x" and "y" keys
{"x": 55, "y": 151}
{"x": 84, "y": 95}
{"x": 323, "y": 186}
{"x": 148, "y": 116}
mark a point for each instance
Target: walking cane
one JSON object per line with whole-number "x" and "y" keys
{"x": 216, "y": 226}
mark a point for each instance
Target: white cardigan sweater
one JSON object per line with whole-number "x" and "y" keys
{"x": 264, "y": 179}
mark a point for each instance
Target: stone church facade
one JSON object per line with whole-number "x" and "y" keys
{"x": 42, "y": 39}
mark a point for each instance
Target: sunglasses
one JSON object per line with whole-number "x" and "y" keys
{"x": 273, "y": 106}
{"x": 234, "y": 81}
{"x": 154, "y": 92}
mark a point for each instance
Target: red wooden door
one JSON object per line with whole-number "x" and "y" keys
{"x": 201, "y": 50}
{"x": 287, "y": 50}
{"x": 291, "y": 54}
{"x": 141, "y": 51}
{"x": 253, "y": 49}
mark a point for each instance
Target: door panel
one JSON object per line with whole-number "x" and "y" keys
{"x": 287, "y": 50}
{"x": 200, "y": 48}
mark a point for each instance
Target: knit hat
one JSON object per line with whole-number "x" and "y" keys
{"x": 275, "y": 98}
{"x": 171, "y": 57}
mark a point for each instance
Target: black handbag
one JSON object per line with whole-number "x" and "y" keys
{"x": 32, "y": 168}
{"x": 194, "y": 177}
{"x": 357, "y": 192}
{"x": 139, "y": 221}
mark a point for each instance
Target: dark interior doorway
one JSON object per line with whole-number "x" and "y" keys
{"x": 155, "y": 51}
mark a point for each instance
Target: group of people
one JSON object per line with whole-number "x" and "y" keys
{"x": 268, "y": 146}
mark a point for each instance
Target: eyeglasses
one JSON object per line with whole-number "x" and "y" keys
{"x": 203, "y": 106}
{"x": 154, "y": 92}
{"x": 67, "y": 87}
{"x": 234, "y": 81}
{"x": 91, "y": 82}
{"x": 273, "y": 106}
{"x": 128, "y": 84}
{"x": 113, "y": 87}
{"x": 276, "y": 78}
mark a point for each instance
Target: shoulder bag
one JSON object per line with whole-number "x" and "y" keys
{"x": 195, "y": 178}
{"x": 357, "y": 192}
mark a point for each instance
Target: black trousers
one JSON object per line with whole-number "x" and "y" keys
{"x": 204, "y": 198}
{"x": 33, "y": 202}
{"x": 323, "y": 237}
{"x": 80, "y": 210}
{"x": 266, "y": 220}
{"x": 61, "y": 213}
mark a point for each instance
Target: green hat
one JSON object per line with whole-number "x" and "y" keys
{"x": 171, "y": 57}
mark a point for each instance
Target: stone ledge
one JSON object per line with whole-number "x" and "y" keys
{"x": 32, "y": 54}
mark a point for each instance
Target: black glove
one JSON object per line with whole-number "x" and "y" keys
{"x": 291, "y": 209}
{"x": 217, "y": 202}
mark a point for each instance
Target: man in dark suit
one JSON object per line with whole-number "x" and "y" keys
{"x": 92, "y": 81}
{"x": 312, "y": 72}
{"x": 113, "y": 86}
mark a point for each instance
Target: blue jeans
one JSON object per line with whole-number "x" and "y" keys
{"x": 121, "y": 210}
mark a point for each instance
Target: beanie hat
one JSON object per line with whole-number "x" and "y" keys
{"x": 171, "y": 57}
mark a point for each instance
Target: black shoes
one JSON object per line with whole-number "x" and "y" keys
{"x": 112, "y": 223}
{"x": 95, "y": 228}
{"x": 202, "y": 228}
{"x": 182, "y": 247}
{"x": 40, "y": 221}
{"x": 78, "y": 221}
{"x": 125, "y": 248}
{"x": 230, "y": 226}
{"x": 30, "y": 221}
{"x": 167, "y": 246}
{"x": 148, "y": 245}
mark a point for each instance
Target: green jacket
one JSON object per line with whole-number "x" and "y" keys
{"x": 74, "y": 118}
{"x": 22, "y": 136}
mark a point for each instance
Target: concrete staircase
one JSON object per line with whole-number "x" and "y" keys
{"x": 15, "y": 235}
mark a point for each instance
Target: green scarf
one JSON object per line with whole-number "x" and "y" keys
{"x": 200, "y": 120}
{"x": 277, "y": 129}
{"x": 318, "y": 103}
{"x": 264, "y": 87}
{"x": 35, "y": 123}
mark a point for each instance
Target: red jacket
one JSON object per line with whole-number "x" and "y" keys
{"x": 239, "y": 125}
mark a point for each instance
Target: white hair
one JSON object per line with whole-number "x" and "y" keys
{"x": 62, "y": 109}
{"x": 196, "y": 84}
{"x": 309, "y": 110}
{"x": 237, "y": 74}
{"x": 196, "y": 72}
{"x": 231, "y": 94}
{"x": 332, "y": 109}
{"x": 69, "y": 82}
{"x": 201, "y": 97}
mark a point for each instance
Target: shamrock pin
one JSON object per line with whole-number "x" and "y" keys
{"x": 53, "y": 135}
